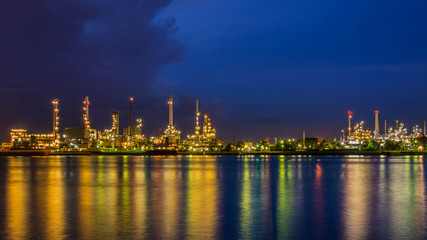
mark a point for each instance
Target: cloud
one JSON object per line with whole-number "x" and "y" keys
{"x": 107, "y": 49}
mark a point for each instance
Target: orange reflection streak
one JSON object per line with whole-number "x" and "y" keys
{"x": 17, "y": 201}
{"x": 172, "y": 199}
{"x": 86, "y": 199}
{"x": 139, "y": 200}
{"x": 53, "y": 201}
{"x": 105, "y": 198}
{"x": 156, "y": 199}
{"x": 124, "y": 201}
{"x": 100, "y": 196}
{"x": 202, "y": 198}
{"x": 356, "y": 200}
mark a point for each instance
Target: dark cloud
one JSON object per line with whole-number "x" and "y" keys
{"x": 109, "y": 50}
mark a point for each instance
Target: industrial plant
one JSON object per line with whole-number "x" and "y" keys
{"x": 395, "y": 136}
{"x": 204, "y": 138}
{"x": 86, "y": 138}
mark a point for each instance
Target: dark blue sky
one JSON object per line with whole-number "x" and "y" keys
{"x": 260, "y": 68}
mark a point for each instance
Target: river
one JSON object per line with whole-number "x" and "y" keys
{"x": 213, "y": 197}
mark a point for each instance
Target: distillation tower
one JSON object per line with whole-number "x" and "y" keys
{"x": 55, "y": 127}
{"x": 197, "y": 130}
{"x": 115, "y": 125}
{"x": 209, "y": 133}
{"x": 172, "y": 135}
{"x": 204, "y": 137}
{"x": 350, "y": 115}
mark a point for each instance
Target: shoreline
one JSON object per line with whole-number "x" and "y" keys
{"x": 176, "y": 153}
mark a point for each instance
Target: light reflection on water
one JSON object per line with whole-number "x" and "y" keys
{"x": 207, "y": 197}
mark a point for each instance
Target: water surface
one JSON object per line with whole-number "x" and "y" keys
{"x": 208, "y": 197}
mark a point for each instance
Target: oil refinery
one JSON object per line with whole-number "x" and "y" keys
{"x": 398, "y": 136}
{"x": 130, "y": 139}
{"x": 395, "y": 137}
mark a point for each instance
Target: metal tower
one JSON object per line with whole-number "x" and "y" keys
{"x": 115, "y": 126}
{"x": 377, "y": 122}
{"x": 197, "y": 132}
{"x": 350, "y": 115}
{"x": 130, "y": 111}
{"x": 55, "y": 128}
{"x": 86, "y": 104}
{"x": 208, "y": 131}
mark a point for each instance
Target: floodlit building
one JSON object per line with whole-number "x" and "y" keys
{"x": 18, "y": 133}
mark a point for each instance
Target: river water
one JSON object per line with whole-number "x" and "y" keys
{"x": 213, "y": 197}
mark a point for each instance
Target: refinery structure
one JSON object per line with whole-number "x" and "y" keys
{"x": 131, "y": 138}
{"x": 395, "y": 136}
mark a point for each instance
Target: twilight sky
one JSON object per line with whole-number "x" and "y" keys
{"x": 260, "y": 68}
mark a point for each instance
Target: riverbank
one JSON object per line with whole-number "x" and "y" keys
{"x": 174, "y": 152}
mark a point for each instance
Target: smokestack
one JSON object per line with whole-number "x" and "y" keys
{"x": 130, "y": 111}
{"x": 385, "y": 127}
{"x": 303, "y": 139}
{"x": 397, "y": 125}
{"x": 350, "y": 115}
{"x": 377, "y": 122}
{"x": 170, "y": 110}
{"x": 424, "y": 127}
{"x": 86, "y": 121}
